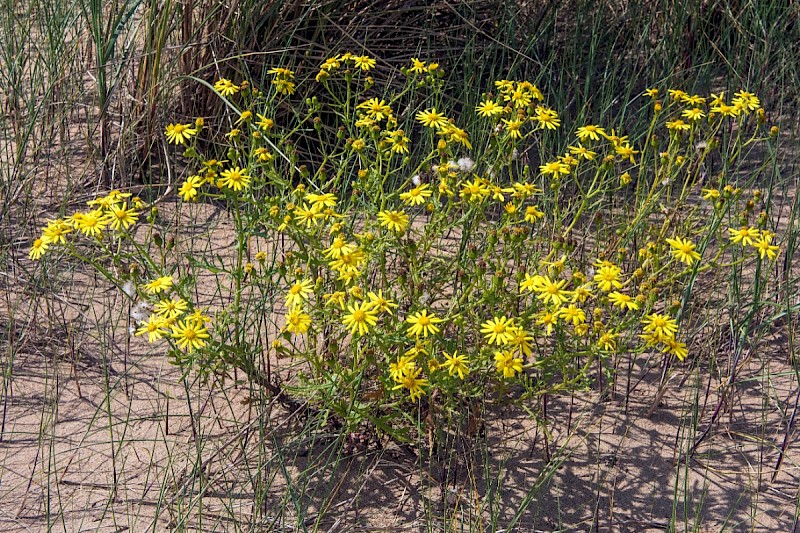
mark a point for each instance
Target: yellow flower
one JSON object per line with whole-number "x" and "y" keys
{"x": 234, "y": 178}
{"x": 299, "y": 292}
{"x": 765, "y": 248}
{"x": 375, "y": 109}
{"x": 171, "y": 308}
{"x": 189, "y": 188}
{"x": 683, "y": 250}
{"x": 726, "y": 110}
{"x": 281, "y": 72}
{"x": 404, "y": 365}
{"x": 623, "y": 300}
{"x": 158, "y": 285}
{"x": 456, "y": 135}
{"x": 693, "y": 114}
{"x": 626, "y": 151}
{"x": 660, "y": 326}
{"x": 607, "y": 341}
{"x": 121, "y": 217}
{"x": 90, "y": 223}
{"x": 379, "y": 303}
{"x": 411, "y": 381}
{"x": 530, "y": 283}
{"x": 336, "y": 298}
{"x": 456, "y": 364}
{"x": 590, "y": 132}
{"x": 572, "y": 313}
{"x": 364, "y": 62}
{"x": 423, "y": 324}
{"x": 38, "y": 249}
{"x": 507, "y": 364}
{"x": 745, "y": 235}
{"x": 488, "y": 108}
{"x": 582, "y": 152}
{"x": 417, "y": 195}
{"x": 432, "y": 118}
{"x": 297, "y": 321}
{"x": 551, "y": 291}
{"x": 652, "y": 93}
{"x": 190, "y": 334}
{"x": 396, "y": 221}
{"x": 675, "y": 347}
{"x": 226, "y": 87}
{"x": 607, "y": 277}
{"x": 55, "y": 232}
{"x": 417, "y": 66}
{"x": 746, "y": 101}
{"x": 338, "y": 247}
{"x": 155, "y": 328}
{"x": 262, "y": 154}
{"x": 498, "y": 330}
{"x": 513, "y": 128}
{"x": 677, "y": 94}
{"x": 179, "y": 133}
{"x": 547, "y": 319}
{"x": 306, "y": 215}
{"x": 264, "y": 123}
{"x": 521, "y": 340}
{"x": 677, "y": 125}
{"x": 710, "y": 194}
{"x": 532, "y": 213}
{"x": 554, "y": 168}
{"x": 474, "y": 190}
{"x": 360, "y": 317}
{"x": 547, "y": 118}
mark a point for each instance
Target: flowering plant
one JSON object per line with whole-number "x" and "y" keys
{"x": 407, "y": 257}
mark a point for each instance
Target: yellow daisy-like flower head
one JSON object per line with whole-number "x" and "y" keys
{"x": 411, "y": 381}
{"x": 190, "y": 188}
{"x": 423, "y": 324}
{"x": 171, "y": 308}
{"x": 120, "y": 217}
{"x": 607, "y": 277}
{"x": 765, "y": 248}
{"x": 396, "y": 221}
{"x": 417, "y": 195}
{"x": 364, "y": 62}
{"x": 38, "y": 249}
{"x": 432, "y": 118}
{"x": 660, "y": 326}
{"x": 360, "y": 318}
{"x": 234, "y": 178}
{"x": 299, "y": 292}
{"x": 190, "y": 334}
{"x": 158, "y": 285}
{"x": 683, "y": 250}
{"x": 456, "y": 364}
{"x": 551, "y": 292}
{"x": 590, "y": 133}
{"x": 226, "y": 87}
{"x": 498, "y": 330}
{"x": 489, "y": 108}
{"x": 179, "y": 133}
{"x": 625, "y": 301}
{"x": 297, "y": 321}
{"x": 154, "y": 328}
{"x": 507, "y": 364}
{"x": 744, "y": 235}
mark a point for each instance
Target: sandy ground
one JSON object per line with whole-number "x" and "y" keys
{"x": 98, "y": 461}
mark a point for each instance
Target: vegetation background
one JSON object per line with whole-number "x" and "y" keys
{"x": 100, "y": 435}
